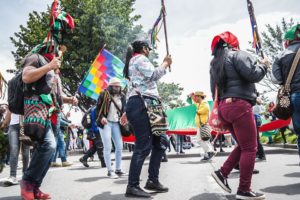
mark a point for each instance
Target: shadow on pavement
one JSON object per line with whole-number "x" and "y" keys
{"x": 108, "y": 195}
{"x": 121, "y": 182}
{"x": 293, "y": 165}
{"x": 293, "y": 175}
{"x": 192, "y": 162}
{"x": 91, "y": 179}
{"x": 235, "y": 174}
{"x": 292, "y": 189}
{"x": 85, "y": 168}
{"x": 213, "y": 196}
{"x": 11, "y": 198}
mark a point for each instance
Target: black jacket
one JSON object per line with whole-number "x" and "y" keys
{"x": 282, "y": 66}
{"x": 242, "y": 72}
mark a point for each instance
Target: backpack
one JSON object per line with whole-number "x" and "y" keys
{"x": 16, "y": 94}
{"x": 16, "y": 88}
{"x": 86, "y": 120}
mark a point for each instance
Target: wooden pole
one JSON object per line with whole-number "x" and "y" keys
{"x": 165, "y": 28}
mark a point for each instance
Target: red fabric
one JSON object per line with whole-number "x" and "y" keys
{"x": 53, "y": 118}
{"x": 136, "y": 54}
{"x": 214, "y": 119}
{"x": 70, "y": 21}
{"x": 228, "y": 37}
{"x": 131, "y": 138}
{"x": 276, "y": 124}
{"x": 49, "y": 56}
{"x": 190, "y": 131}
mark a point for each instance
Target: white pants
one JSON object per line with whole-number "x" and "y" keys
{"x": 206, "y": 145}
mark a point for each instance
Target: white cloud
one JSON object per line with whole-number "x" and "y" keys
{"x": 192, "y": 55}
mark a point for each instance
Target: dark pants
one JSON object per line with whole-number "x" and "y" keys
{"x": 296, "y": 116}
{"x": 239, "y": 117}
{"x": 282, "y": 130}
{"x": 260, "y": 149}
{"x": 144, "y": 144}
{"x": 97, "y": 147}
{"x": 41, "y": 159}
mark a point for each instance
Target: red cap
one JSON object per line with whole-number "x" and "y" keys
{"x": 227, "y": 37}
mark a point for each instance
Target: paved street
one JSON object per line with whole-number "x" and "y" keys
{"x": 186, "y": 177}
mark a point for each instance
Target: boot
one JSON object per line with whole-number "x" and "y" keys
{"x": 103, "y": 165}
{"x": 38, "y": 194}
{"x": 26, "y": 190}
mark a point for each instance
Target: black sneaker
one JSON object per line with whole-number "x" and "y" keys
{"x": 249, "y": 195}
{"x": 155, "y": 186}
{"x": 205, "y": 159}
{"x": 121, "y": 173}
{"x": 84, "y": 162}
{"x": 212, "y": 154}
{"x": 221, "y": 180}
{"x": 136, "y": 192}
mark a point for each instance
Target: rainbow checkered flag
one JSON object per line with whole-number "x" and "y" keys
{"x": 104, "y": 67}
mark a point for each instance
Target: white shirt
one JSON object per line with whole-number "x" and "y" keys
{"x": 258, "y": 109}
{"x": 15, "y": 119}
{"x": 113, "y": 113}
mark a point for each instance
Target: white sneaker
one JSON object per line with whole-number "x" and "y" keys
{"x": 111, "y": 174}
{"x": 11, "y": 181}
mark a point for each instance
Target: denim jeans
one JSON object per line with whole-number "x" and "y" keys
{"x": 60, "y": 143}
{"x": 15, "y": 145}
{"x": 41, "y": 159}
{"x": 238, "y": 116}
{"x": 179, "y": 143}
{"x": 60, "y": 147}
{"x": 111, "y": 131}
{"x": 295, "y": 97}
{"x": 144, "y": 143}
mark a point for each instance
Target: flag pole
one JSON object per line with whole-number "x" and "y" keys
{"x": 165, "y": 28}
{"x": 255, "y": 28}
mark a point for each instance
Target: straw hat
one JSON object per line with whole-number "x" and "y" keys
{"x": 199, "y": 93}
{"x": 114, "y": 82}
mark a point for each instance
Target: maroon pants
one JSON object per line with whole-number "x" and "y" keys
{"x": 239, "y": 117}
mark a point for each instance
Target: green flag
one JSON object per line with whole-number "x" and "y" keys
{"x": 182, "y": 118}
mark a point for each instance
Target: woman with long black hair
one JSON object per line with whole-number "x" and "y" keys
{"x": 234, "y": 73}
{"x": 142, "y": 77}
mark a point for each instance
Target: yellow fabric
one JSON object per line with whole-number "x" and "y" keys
{"x": 202, "y": 113}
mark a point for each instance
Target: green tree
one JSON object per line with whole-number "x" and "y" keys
{"x": 170, "y": 93}
{"x": 272, "y": 41}
{"x": 97, "y": 22}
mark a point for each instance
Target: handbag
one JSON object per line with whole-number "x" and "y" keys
{"x": 283, "y": 108}
{"x": 215, "y": 121}
{"x": 205, "y": 132}
{"x": 126, "y": 130}
{"x": 157, "y": 115}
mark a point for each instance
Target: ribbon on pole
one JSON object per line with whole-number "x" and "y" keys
{"x": 256, "y": 38}
{"x": 165, "y": 27}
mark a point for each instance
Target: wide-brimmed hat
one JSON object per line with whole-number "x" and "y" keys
{"x": 114, "y": 82}
{"x": 199, "y": 93}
